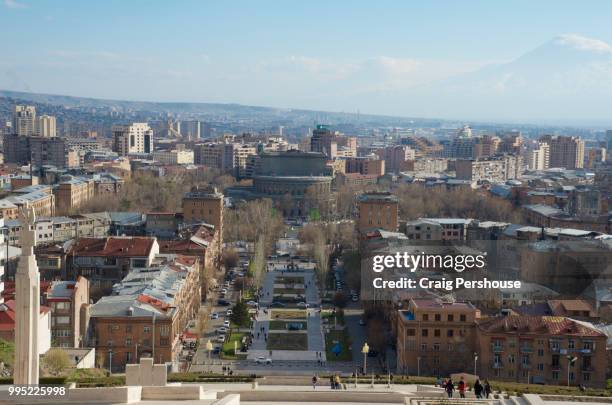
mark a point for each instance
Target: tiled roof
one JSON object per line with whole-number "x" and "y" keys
{"x": 542, "y": 325}
{"x": 113, "y": 246}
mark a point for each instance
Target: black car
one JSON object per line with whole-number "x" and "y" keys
{"x": 224, "y": 303}
{"x": 372, "y": 353}
{"x": 277, "y": 304}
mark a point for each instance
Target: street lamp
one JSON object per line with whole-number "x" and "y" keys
{"x": 110, "y": 361}
{"x": 570, "y": 362}
{"x": 365, "y": 350}
{"x": 475, "y": 360}
{"x": 418, "y": 366}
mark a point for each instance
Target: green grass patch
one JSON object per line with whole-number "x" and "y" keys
{"x": 284, "y": 325}
{"x": 298, "y": 291}
{"x": 7, "y": 352}
{"x": 345, "y": 342}
{"x": 287, "y": 341}
{"x": 280, "y": 314}
{"x": 228, "y": 346}
{"x": 289, "y": 280}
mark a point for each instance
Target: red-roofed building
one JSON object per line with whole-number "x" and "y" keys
{"x": 106, "y": 261}
{"x": 536, "y": 349}
{"x": 7, "y": 325}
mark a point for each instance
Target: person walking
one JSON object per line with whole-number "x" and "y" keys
{"x": 337, "y": 380}
{"x": 487, "y": 389}
{"x": 478, "y": 388}
{"x": 331, "y": 381}
{"x": 449, "y": 387}
{"x": 462, "y": 387}
{"x": 314, "y": 382}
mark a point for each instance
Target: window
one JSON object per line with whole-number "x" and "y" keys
{"x": 540, "y": 352}
{"x": 437, "y": 332}
{"x": 586, "y": 376}
{"x": 410, "y": 332}
{"x": 128, "y": 341}
{"x": 450, "y": 333}
{"x": 62, "y": 320}
{"x": 570, "y": 344}
{"x": 540, "y": 366}
{"x": 423, "y": 346}
{"x": 164, "y": 330}
{"x": 462, "y": 318}
{"x": 146, "y": 329}
{"x": 436, "y": 347}
{"x": 163, "y": 342}
{"x": 128, "y": 328}
{"x": 425, "y": 317}
{"x": 128, "y": 357}
{"x": 438, "y": 317}
{"x": 451, "y": 318}
{"x": 511, "y": 359}
{"x": 424, "y": 332}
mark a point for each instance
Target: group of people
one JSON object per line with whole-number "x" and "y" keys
{"x": 334, "y": 382}
{"x": 480, "y": 390}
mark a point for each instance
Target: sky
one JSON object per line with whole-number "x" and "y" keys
{"x": 373, "y": 57}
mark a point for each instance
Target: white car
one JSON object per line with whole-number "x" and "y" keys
{"x": 302, "y": 305}
{"x": 214, "y": 315}
{"x": 224, "y": 291}
{"x": 354, "y": 298}
{"x": 251, "y": 303}
{"x": 221, "y": 339}
{"x": 229, "y": 312}
{"x": 226, "y": 324}
{"x": 263, "y": 360}
{"x": 222, "y": 329}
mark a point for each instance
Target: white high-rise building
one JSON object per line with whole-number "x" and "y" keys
{"x": 190, "y": 129}
{"x": 133, "y": 138}
{"x": 539, "y": 158}
{"x": 24, "y": 120}
{"x": 46, "y": 126}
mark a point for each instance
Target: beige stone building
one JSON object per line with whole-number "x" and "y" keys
{"x": 378, "y": 211}
{"x": 74, "y": 192}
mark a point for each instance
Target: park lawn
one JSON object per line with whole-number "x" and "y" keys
{"x": 283, "y": 325}
{"x": 289, "y": 280}
{"x": 228, "y": 346}
{"x": 7, "y": 352}
{"x": 331, "y": 338}
{"x": 298, "y": 291}
{"x": 279, "y": 314}
{"x": 287, "y": 341}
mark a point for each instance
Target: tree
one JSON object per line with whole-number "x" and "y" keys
{"x": 340, "y": 299}
{"x": 240, "y": 315}
{"x": 376, "y": 334}
{"x": 56, "y": 361}
{"x": 230, "y": 258}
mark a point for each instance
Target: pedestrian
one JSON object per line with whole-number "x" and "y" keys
{"x": 462, "y": 387}
{"x": 487, "y": 389}
{"x": 449, "y": 387}
{"x": 478, "y": 388}
{"x": 314, "y": 382}
{"x": 257, "y": 335}
{"x": 337, "y": 380}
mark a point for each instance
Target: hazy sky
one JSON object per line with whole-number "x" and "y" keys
{"x": 329, "y": 55}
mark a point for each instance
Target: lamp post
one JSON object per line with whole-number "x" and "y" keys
{"x": 418, "y": 366}
{"x": 570, "y": 362}
{"x": 365, "y": 350}
{"x": 475, "y": 360}
{"x": 110, "y": 361}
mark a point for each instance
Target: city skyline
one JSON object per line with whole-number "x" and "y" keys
{"x": 513, "y": 63}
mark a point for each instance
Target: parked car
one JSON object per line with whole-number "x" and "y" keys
{"x": 302, "y": 305}
{"x": 221, "y": 339}
{"x": 251, "y": 303}
{"x": 263, "y": 360}
{"x": 362, "y": 322}
{"x": 224, "y": 291}
{"x": 214, "y": 315}
{"x": 354, "y": 298}
{"x": 224, "y": 303}
{"x": 226, "y": 324}
{"x": 229, "y": 312}
{"x": 278, "y": 304}
{"x": 216, "y": 350}
{"x": 222, "y": 329}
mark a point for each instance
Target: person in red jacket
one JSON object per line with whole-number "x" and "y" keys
{"x": 461, "y": 387}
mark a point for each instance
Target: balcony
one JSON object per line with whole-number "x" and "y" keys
{"x": 497, "y": 348}
{"x": 526, "y": 349}
{"x": 526, "y": 366}
{"x": 555, "y": 367}
{"x": 497, "y": 365}
{"x": 587, "y": 368}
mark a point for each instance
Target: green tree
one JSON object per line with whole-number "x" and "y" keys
{"x": 240, "y": 315}
{"x": 56, "y": 361}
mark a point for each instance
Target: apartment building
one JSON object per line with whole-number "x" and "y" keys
{"x": 541, "y": 350}
{"x": 565, "y": 151}
{"x": 435, "y": 337}
{"x": 395, "y": 157}
{"x": 365, "y": 165}
{"x": 539, "y": 158}
{"x": 24, "y": 120}
{"x": 69, "y": 303}
{"x": 73, "y": 192}
{"x": 46, "y": 126}
{"x": 105, "y": 261}
{"x": 204, "y": 205}
{"x": 174, "y": 157}
{"x": 132, "y": 139}
{"x": 147, "y": 313}
{"x": 230, "y": 157}
{"x": 493, "y": 170}
{"x": 378, "y": 211}
{"x": 447, "y": 229}
{"x": 42, "y": 202}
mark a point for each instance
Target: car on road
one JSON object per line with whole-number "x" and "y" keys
{"x": 229, "y": 312}
{"x": 224, "y": 303}
{"x": 362, "y": 322}
{"x": 226, "y": 324}
{"x": 224, "y": 291}
{"x": 214, "y": 315}
{"x": 221, "y": 339}
{"x": 251, "y": 303}
{"x": 354, "y": 298}
{"x": 263, "y": 360}
{"x": 222, "y": 329}
{"x": 277, "y": 304}
{"x": 302, "y": 305}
